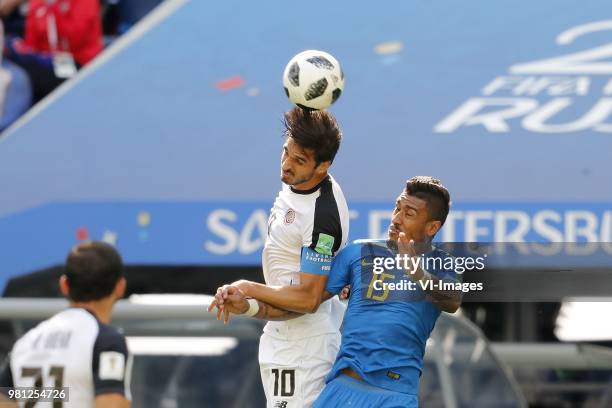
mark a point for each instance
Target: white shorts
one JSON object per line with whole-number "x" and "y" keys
{"x": 293, "y": 372}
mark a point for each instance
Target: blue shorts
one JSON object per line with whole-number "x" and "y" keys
{"x": 345, "y": 391}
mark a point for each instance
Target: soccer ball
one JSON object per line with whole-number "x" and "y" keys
{"x": 313, "y": 79}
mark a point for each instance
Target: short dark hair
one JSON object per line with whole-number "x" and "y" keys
{"x": 434, "y": 193}
{"x": 316, "y": 130}
{"x": 93, "y": 269}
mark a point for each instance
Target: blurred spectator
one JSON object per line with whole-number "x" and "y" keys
{"x": 12, "y": 14}
{"x": 60, "y": 37}
{"x": 131, "y": 11}
{"x": 8, "y": 6}
{"x": 78, "y": 29}
{"x": 15, "y": 90}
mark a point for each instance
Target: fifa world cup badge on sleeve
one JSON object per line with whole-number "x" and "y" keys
{"x": 325, "y": 244}
{"x": 112, "y": 365}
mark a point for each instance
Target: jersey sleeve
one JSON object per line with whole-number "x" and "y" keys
{"x": 340, "y": 274}
{"x": 321, "y": 235}
{"x": 6, "y": 376}
{"x": 314, "y": 262}
{"x": 110, "y": 362}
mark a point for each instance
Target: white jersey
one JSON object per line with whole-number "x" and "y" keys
{"x": 304, "y": 227}
{"x": 71, "y": 349}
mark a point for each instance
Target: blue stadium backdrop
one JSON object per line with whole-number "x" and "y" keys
{"x": 168, "y": 145}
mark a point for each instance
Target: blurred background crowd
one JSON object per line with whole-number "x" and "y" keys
{"x": 45, "y": 42}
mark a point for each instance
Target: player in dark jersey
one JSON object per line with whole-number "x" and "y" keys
{"x": 385, "y": 329}
{"x": 76, "y": 348}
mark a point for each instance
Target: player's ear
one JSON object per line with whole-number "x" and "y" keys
{"x": 432, "y": 227}
{"x": 323, "y": 167}
{"x": 63, "y": 285}
{"x": 120, "y": 288}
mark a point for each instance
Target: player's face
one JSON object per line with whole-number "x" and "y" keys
{"x": 298, "y": 165}
{"x": 411, "y": 217}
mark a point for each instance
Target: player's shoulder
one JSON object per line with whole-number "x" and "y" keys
{"x": 334, "y": 187}
{"x": 108, "y": 334}
{"x": 442, "y": 264}
{"x": 332, "y": 180}
{"x": 357, "y": 246}
{"x": 110, "y": 361}
{"x": 325, "y": 194}
{"x": 102, "y": 334}
{"x": 71, "y": 318}
{"x": 369, "y": 242}
{"x": 329, "y": 192}
{"x": 110, "y": 348}
{"x": 438, "y": 252}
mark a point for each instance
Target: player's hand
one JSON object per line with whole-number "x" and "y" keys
{"x": 345, "y": 293}
{"x": 229, "y": 299}
{"x": 235, "y": 302}
{"x": 219, "y": 301}
{"x": 405, "y": 246}
{"x": 408, "y": 247}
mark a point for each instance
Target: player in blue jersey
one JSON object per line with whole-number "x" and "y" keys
{"x": 395, "y": 300}
{"x": 390, "y": 317}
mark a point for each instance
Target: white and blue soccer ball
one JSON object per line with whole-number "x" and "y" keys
{"x": 313, "y": 79}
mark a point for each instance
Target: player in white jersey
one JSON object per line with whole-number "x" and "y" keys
{"x": 76, "y": 350}
{"x": 308, "y": 224}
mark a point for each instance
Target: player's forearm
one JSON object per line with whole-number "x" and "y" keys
{"x": 292, "y": 298}
{"x": 7, "y": 6}
{"x": 269, "y": 312}
{"x": 447, "y": 300}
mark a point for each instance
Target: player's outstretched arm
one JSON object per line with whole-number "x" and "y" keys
{"x": 269, "y": 312}
{"x": 112, "y": 401}
{"x": 302, "y": 298}
{"x": 232, "y": 300}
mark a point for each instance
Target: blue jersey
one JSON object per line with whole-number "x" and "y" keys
{"x": 385, "y": 329}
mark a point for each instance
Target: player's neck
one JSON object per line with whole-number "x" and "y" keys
{"x": 310, "y": 184}
{"x": 102, "y": 309}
